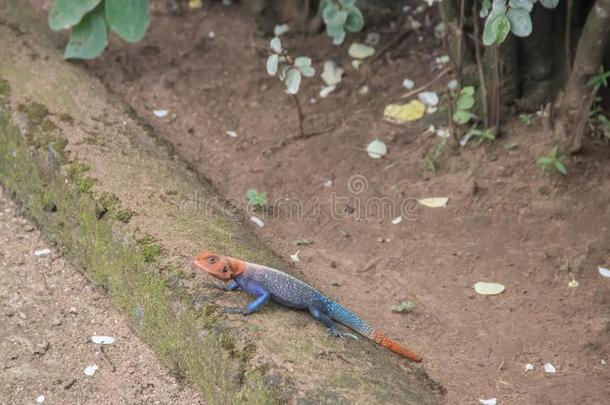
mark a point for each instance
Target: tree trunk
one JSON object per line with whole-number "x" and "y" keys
{"x": 578, "y": 98}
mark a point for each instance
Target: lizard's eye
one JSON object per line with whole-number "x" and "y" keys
{"x": 212, "y": 260}
{"x": 225, "y": 269}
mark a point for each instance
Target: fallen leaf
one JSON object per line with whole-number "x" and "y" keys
{"x": 408, "y": 84}
{"x": 490, "y": 401}
{"x": 603, "y": 271}
{"x": 327, "y": 90}
{"x": 400, "y": 113}
{"x": 377, "y": 149}
{"x": 573, "y": 283}
{"x": 360, "y": 51}
{"x": 397, "y": 220}
{"x": 102, "y": 340}
{"x": 429, "y": 98}
{"x": 332, "y": 73}
{"x": 42, "y": 252}
{"x": 91, "y": 369}
{"x": 232, "y": 134}
{"x": 195, "y": 4}
{"x": 434, "y": 202}
{"x": 404, "y": 306}
{"x": 257, "y": 221}
{"x": 484, "y": 288}
{"x": 549, "y": 368}
{"x": 160, "y": 113}
{"x": 295, "y": 257}
{"x": 280, "y": 29}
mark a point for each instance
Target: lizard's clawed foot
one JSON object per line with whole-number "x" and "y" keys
{"x": 337, "y": 333}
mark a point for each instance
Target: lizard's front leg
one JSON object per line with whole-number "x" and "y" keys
{"x": 263, "y": 297}
{"x": 232, "y": 286}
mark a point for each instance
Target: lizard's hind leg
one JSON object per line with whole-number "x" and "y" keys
{"x": 317, "y": 311}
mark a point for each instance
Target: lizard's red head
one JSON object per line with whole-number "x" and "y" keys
{"x": 221, "y": 267}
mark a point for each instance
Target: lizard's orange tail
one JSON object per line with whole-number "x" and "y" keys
{"x": 385, "y": 341}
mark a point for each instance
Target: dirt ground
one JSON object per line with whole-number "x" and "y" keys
{"x": 506, "y": 221}
{"x": 49, "y": 311}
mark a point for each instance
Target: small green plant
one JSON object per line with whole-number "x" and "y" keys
{"x": 91, "y": 20}
{"x": 289, "y": 71}
{"x": 482, "y": 134}
{"x": 341, "y": 16}
{"x": 553, "y": 162}
{"x": 463, "y": 104}
{"x": 526, "y": 119}
{"x": 599, "y": 80}
{"x": 436, "y": 153}
{"x": 256, "y": 199}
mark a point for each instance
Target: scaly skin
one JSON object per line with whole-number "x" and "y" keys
{"x": 267, "y": 283}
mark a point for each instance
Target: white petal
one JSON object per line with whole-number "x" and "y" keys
{"x": 232, "y": 134}
{"x": 360, "y": 51}
{"x": 429, "y": 98}
{"x": 327, "y": 90}
{"x": 408, "y": 84}
{"x": 529, "y": 367}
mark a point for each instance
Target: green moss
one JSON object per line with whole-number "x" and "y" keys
{"x": 124, "y": 272}
{"x": 124, "y": 215}
{"x": 35, "y": 112}
{"x": 108, "y": 201}
{"x": 67, "y": 118}
{"x": 150, "y": 249}
{"x": 77, "y": 173}
{"x": 5, "y": 90}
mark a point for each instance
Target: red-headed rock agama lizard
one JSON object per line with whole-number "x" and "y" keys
{"x": 268, "y": 283}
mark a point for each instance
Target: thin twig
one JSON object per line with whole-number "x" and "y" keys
{"x": 287, "y": 141}
{"x": 497, "y": 89}
{"x": 479, "y": 59}
{"x": 460, "y": 42}
{"x": 105, "y": 356}
{"x": 452, "y": 127}
{"x": 300, "y": 114}
{"x": 568, "y": 37}
{"x": 430, "y": 83}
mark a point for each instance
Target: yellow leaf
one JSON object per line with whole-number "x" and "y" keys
{"x": 195, "y": 4}
{"x": 399, "y": 113}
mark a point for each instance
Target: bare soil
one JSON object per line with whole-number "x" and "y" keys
{"x": 49, "y": 311}
{"x": 506, "y": 221}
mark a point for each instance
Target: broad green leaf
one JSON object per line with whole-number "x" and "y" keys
{"x": 465, "y": 102}
{"x": 89, "y": 38}
{"x": 302, "y": 61}
{"x": 520, "y": 22}
{"x": 377, "y": 149}
{"x": 307, "y": 71}
{"x": 485, "y": 6}
{"x": 338, "y": 19}
{"x": 468, "y": 90}
{"x": 67, "y": 13}
{"x": 338, "y": 37}
{"x": 276, "y": 44}
{"x": 462, "y": 116}
{"x": 293, "y": 81}
{"x": 526, "y": 4}
{"x": 272, "y": 64}
{"x": 549, "y": 3}
{"x": 128, "y": 18}
{"x": 329, "y": 12}
{"x": 489, "y": 37}
{"x": 500, "y": 27}
{"x": 544, "y": 161}
{"x": 251, "y": 193}
{"x": 354, "y": 21}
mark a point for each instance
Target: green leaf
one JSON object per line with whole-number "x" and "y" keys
{"x": 128, "y": 18}
{"x": 520, "y": 22}
{"x": 465, "y": 102}
{"x": 251, "y": 193}
{"x": 549, "y": 3}
{"x": 468, "y": 90}
{"x": 67, "y": 13}
{"x": 462, "y": 116}
{"x": 329, "y": 12}
{"x": 404, "y": 306}
{"x": 89, "y": 38}
{"x": 525, "y": 4}
{"x": 489, "y": 38}
{"x": 338, "y": 37}
{"x": 354, "y": 21}
{"x": 553, "y": 154}
{"x": 276, "y": 44}
{"x": 485, "y": 6}
{"x": 544, "y": 161}
{"x": 302, "y": 61}
{"x": 293, "y": 81}
{"x": 272, "y": 64}
{"x": 561, "y": 167}
{"x": 307, "y": 71}
{"x": 500, "y": 28}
